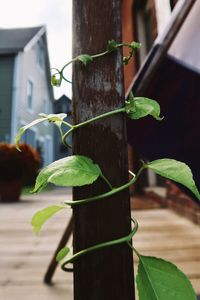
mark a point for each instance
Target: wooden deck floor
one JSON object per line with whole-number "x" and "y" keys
{"x": 24, "y": 257}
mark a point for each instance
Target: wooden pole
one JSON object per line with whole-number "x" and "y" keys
{"x": 108, "y": 273}
{"x": 62, "y": 243}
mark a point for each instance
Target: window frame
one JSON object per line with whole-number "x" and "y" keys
{"x": 29, "y": 95}
{"x": 40, "y": 55}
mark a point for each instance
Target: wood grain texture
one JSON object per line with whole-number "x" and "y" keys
{"x": 98, "y": 88}
{"x": 24, "y": 257}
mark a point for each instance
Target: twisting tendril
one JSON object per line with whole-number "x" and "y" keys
{"x": 57, "y": 77}
{"x": 126, "y": 239}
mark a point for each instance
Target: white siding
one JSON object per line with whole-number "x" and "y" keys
{"x": 31, "y": 70}
{"x": 163, "y": 13}
{"x": 16, "y": 96}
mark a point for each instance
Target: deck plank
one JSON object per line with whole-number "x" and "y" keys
{"x": 24, "y": 257}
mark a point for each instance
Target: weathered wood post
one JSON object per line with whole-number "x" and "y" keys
{"x": 108, "y": 273}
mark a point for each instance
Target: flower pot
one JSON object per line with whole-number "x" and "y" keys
{"x": 10, "y": 190}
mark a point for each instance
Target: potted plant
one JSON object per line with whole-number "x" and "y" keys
{"x": 16, "y": 169}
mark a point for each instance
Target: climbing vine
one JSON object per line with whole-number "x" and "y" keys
{"x": 156, "y": 278}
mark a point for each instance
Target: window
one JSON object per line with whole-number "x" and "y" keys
{"x": 30, "y": 95}
{"x": 40, "y": 55}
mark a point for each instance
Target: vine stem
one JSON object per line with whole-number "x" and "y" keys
{"x": 74, "y": 127}
{"x": 64, "y": 137}
{"x": 108, "y": 51}
{"x": 121, "y": 240}
{"x": 67, "y": 124}
{"x": 107, "y": 194}
{"x": 76, "y": 59}
{"x": 136, "y": 252}
{"x": 94, "y": 56}
{"x": 107, "y": 181}
{"x": 101, "y": 54}
{"x": 70, "y": 62}
{"x": 60, "y": 130}
{"x": 110, "y": 113}
{"x": 133, "y": 248}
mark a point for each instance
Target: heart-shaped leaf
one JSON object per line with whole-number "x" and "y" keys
{"x": 174, "y": 170}
{"x": 62, "y": 253}
{"x": 140, "y": 107}
{"x": 75, "y": 170}
{"x": 158, "y": 279}
{"x": 43, "y": 215}
{"x": 85, "y": 58}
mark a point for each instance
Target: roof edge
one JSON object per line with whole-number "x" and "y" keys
{"x": 35, "y": 38}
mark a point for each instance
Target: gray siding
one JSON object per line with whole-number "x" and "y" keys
{"x": 6, "y": 89}
{"x": 15, "y": 108}
{"x": 43, "y": 133}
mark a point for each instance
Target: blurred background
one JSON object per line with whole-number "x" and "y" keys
{"x": 36, "y": 36}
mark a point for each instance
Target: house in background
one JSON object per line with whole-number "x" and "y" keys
{"x": 167, "y": 70}
{"x": 142, "y": 21}
{"x": 62, "y": 105}
{"x": 25, "y": 88}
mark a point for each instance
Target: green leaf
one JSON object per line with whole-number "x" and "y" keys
{"x": 56, "y": 118}
{"x": 56, "y": 81}
{"x": 75, "y": 170}
{"x": 85, "y": 58}
{"x": 140, "y": 107}
{"x": 53, "y": 117}
{"x": 24, "y": 128}
{"x": 135, "y": 45}
{"x": 174, "y": 170}
{"x": 112, "y": 44}
{"x": 158, "y": 279}
{"x": 62, "y": 253}
{"x": 43, "y": 215}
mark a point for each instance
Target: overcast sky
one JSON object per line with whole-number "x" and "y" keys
{"x": 56, "y": 15}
